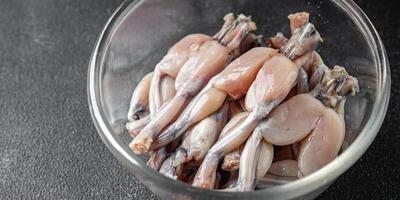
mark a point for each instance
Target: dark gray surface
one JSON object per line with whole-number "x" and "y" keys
{"x": 49, "y": 148}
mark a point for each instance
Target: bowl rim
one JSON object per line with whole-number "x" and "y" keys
{"x": 294, "y": 189}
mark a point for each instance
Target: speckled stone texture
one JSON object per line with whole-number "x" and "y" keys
{"x": 49, "y": 148}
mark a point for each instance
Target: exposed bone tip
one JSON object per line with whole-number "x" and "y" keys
{"x": 335, "y": 85}
{"x": 252, "y": 26}
{"x": 229, "y": 16}
{"x": 299, "y": 15}
{"x": 349, "y": 86}
{"x": 140, "y": 146}
{"x": 304, "y": 40}
{"x": 231, "y": 165}
{"x": 243, "y": 17}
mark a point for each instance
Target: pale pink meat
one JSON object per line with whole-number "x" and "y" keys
{"x": 206, "y": 62}
{"x": 322, "y": 145}
{"x": 292, "y": 120}
{"x": 140, "y": 99}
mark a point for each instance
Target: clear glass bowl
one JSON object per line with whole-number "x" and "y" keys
{"x": 140, "y": 32}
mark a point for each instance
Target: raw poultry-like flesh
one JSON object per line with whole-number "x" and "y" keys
{"x": 203, "y": 62}
{"x": 268, "y": 106}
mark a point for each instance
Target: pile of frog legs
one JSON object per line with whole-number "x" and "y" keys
{"x": 238, "y": 111}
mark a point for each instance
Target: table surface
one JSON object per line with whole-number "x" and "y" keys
{"x": 49, "y": 147}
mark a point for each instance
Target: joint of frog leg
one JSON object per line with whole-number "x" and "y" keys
{"x": 214, "y": 154}
{"x": 229, "y": 20}
{"x": 241, "y": 27}
{"x": 335, "y": 85}
{"x": 303, "y": 40}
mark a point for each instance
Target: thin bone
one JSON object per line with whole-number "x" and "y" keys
{"x": 303, "y": 40}
{"x": 228, "y": 22}
{"x": 171, "y": 64}
{"x": 265, "y": 159}
{"x": 254, "y": 164}
{"x": 322, "y": 145}
{"x": 292, "y": 120}
{"x": 297, "y": 20}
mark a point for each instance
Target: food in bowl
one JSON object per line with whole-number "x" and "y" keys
{"x": 269, "y": 110}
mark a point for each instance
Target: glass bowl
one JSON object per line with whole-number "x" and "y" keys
{"x": 139, "y": 33}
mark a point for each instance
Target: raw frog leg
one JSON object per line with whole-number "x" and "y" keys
{"x": 232, "y": 159}
{"x": 171, "y": 64}
{"x": 201, "y": 137}
{"x": 140, "y": 99}
{"x": 167, "y": 92}
{"x": 263, "y": 154}
{"x": 233, "y": 81}
{"x": 305, "y": 115}
{"x": 134, "y": 127}
{"x": 255, "y": 161}
{"x": 315, "y": 67}
{"x": 210, "y": 59}
{"x": 322, "y": 145}
{"x": 297, "y": 20}
{"x": 294, "y": 119}
{"x": 265, "y": 159}
{"x": 272, "y": 84}
{"x": 158, "y": 156}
